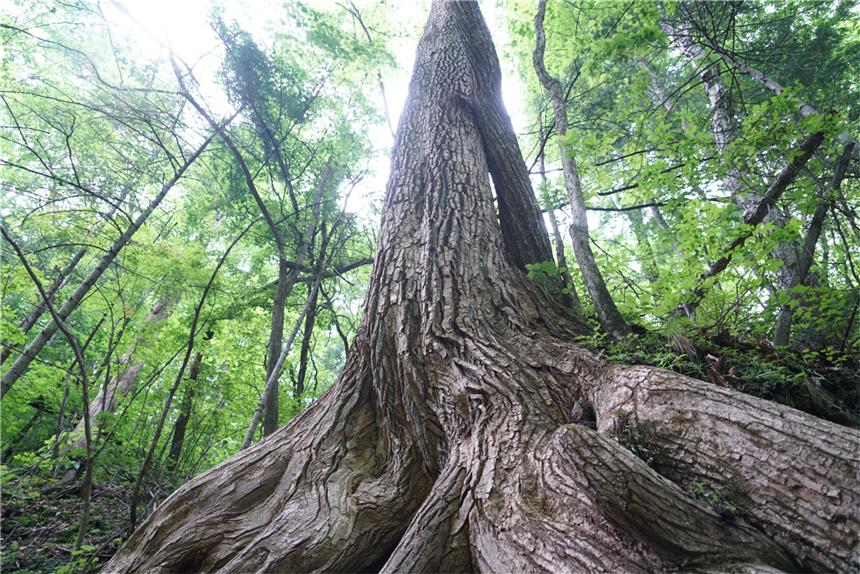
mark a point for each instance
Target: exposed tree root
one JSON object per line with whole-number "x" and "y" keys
{"x": 792, "y": 473}
{"x": 457, "y": 438}
{"x": 522, "y": 489}
{"x": 312, "y": 497}
{"x": 437, "y": 538}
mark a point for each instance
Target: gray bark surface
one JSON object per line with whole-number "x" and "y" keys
{"x": 571, "y": 299}
{"x": 458, "y": 437}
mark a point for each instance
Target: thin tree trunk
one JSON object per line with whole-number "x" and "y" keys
{"x": 286, "y": 280}
{"x": 722, "y": 116}
{"x": 177, "y": 439}
{"x": 307, "y": 334}
{"x": 55, "y": 448}
{"x": 706, "y": 41}
{"x": 272, "y": 381}
{"x": 270, "y": 415}
{"x": 276, "y": 337}
{"x": 782, "y": 328}
{"x": 38, "y": 343}
{"x": 608, "y": 314}
{"x": 340, "y": 332}
{"x": 724, "y": 129}
{"x": 458, "y": 436}
{"x": 572, "y": 298}
{"x": 61, "y": 420}
{"x": 60, "y": 280}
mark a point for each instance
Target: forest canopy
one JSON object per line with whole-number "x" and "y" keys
{"x": 192, "y": 257}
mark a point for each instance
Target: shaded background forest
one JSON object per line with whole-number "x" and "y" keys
{"x": 202, "y": 221}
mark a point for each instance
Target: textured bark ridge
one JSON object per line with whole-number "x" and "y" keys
{"x": 467, "y": 434}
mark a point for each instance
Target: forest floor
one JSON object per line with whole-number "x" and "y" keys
{"x": 39, "y": 526}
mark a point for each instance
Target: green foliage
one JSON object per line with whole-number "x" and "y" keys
{"x": 714, "y": 495}
{"x": 630, "y": 440}
{"x": 81, "y": 561}
{"x": 549, "y": 276}
{"x": 93, "y": 127}
{"x": 642, "y": 133}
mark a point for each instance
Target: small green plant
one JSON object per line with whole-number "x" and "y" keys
{"x": 549, "y": 276}
{"x": 715, "y": 495}
{"x": 81, "y": 561}
{"x": 631, "y": 441}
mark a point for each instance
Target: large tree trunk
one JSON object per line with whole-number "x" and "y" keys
{"x": 458, "y": 437}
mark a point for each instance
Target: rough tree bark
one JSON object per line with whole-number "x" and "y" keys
{"x": 456, "y": 440}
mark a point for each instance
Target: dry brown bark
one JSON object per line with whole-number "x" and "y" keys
{"x": 459, "y": 436}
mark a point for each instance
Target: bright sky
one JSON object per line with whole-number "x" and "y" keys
{"x": 184, "y": 24}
